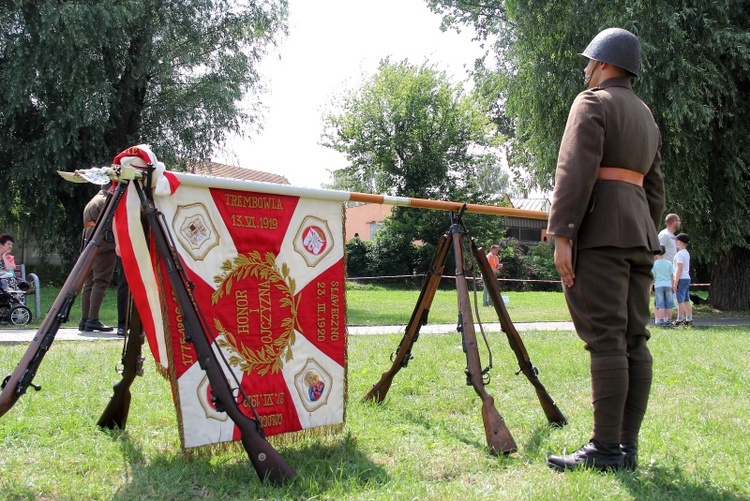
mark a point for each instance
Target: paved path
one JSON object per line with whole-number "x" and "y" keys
{"x": 16, "y": 336}
{"x": 25, "y": 336}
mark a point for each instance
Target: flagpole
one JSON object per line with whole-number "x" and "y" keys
{"x": 351, "y": 196}
{"x": 423, "y": 203}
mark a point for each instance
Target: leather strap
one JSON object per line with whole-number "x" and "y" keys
{"x": 620, "y": 174}
{"x": 89, "y": 224}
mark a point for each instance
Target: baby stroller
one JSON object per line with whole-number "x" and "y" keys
{"x": 13, "y": 307}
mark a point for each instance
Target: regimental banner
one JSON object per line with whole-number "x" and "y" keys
{"x": 266, "y": 268}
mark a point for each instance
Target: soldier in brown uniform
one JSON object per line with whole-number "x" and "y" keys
{"x": 102, "y": 268}
{"x": 607, "y": 203}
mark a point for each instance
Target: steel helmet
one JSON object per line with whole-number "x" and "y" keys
{"x": 618, "y": 47}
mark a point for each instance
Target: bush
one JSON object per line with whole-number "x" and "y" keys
{"x": 357, "y": 257}
{"x": 50, "y": 275}
{"x": 389, "y": 256}
{"x": 541, "y": 258}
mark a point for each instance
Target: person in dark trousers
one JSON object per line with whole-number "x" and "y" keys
{"x": 123, "y": 296}
{"x": 102, "y": 268}
{"x": 606, "y": 206}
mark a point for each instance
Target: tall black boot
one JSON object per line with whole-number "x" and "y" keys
{"x": 640, "y": 375}
{"x": 630, "y": 456}
{"x": 596, "y": 455}
{"x": 609, "y": 391}
{"x": 636, "y": 402}
{"x": 609, "y": 388}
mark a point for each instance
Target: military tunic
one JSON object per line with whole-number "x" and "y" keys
{"x": 613, "y": 226}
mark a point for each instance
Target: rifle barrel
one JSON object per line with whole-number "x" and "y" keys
{"x": 499, "y": 438}
{"x": 403, "y": 353}
{"x": 551, "y": 411}
{"x": 18, "y": 382}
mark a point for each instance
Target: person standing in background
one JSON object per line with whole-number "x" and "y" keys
{"x": 682, "y": 281}
{"x": 494, "y": 259}
{"x": 667, "y": 239}
{"x": 102, "y": 268}
{"x": 123, "y": 300}
{"x": 667, "y": 236}
{"x": 606, "y": 206}
{"x": 663, "y": 273}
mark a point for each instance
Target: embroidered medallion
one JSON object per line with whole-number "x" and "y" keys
{"x": 314, "y": 240}
{"x": 313, "y": 385}
{"x": 195, "y": 230}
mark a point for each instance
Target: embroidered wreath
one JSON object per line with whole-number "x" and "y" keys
{"x": 267, "y": 358}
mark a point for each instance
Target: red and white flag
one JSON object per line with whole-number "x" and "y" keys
{"x": 266, "y": 264}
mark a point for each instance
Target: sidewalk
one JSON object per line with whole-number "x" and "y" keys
{"x": 25, "y": 336}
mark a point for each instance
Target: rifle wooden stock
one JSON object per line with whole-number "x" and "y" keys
{"x": 418, "y": 319}
{"x": 19, "y": 381}
{"x": 268, "y": 463}
{"x": 499, "y": 438}
{"x": 553, "y": 413}
{"x": 115, "y": 415}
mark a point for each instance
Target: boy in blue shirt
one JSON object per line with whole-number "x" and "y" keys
{"x": 662, "y": 289}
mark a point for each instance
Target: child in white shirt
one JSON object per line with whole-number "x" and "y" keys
{"x": 682, "y": 281}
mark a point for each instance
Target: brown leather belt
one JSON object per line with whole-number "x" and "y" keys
{"x": 620, "y": 174}
{"x": 89, "y": 224}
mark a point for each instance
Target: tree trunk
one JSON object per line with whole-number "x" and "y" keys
{"x": 730, "y": 280}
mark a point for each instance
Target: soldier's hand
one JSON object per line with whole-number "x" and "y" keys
{"x": 564, "y": 260}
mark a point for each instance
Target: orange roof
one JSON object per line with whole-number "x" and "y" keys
{"x": 232, "y": 172}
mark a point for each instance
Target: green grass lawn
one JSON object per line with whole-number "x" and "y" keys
{"x": 425, "y": 441}
{"x": 375, "y": 305}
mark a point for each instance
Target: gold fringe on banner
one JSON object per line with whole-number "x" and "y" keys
{"x": 282, "y": 439}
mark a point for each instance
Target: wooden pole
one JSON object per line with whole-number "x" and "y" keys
{"x": 346, "y": 196}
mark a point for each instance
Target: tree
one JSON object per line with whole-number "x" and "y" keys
{"x": 696, "y": 62}
{"x": 409, "y": 132}
{"x": 81, "y": 81}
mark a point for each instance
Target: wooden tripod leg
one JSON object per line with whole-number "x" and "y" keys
{"x": 115, "y": 415}
{"x": 499, "y": 438}
{"x": 418, "y": 319}
{"x": 553, "y": 413}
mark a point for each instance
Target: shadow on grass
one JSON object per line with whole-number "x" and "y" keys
{"x": 324, "y": 465}
{"x": 539, "y": 436}
{"x": 465, "y": 435}
{"x": 656, "y": 482}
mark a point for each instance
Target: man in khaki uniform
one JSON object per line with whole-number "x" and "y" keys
{"x": 102, "y": 268}
{"x": 607, "y": 203}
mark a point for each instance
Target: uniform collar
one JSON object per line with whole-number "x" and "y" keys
{"x": 617, "y": 82}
